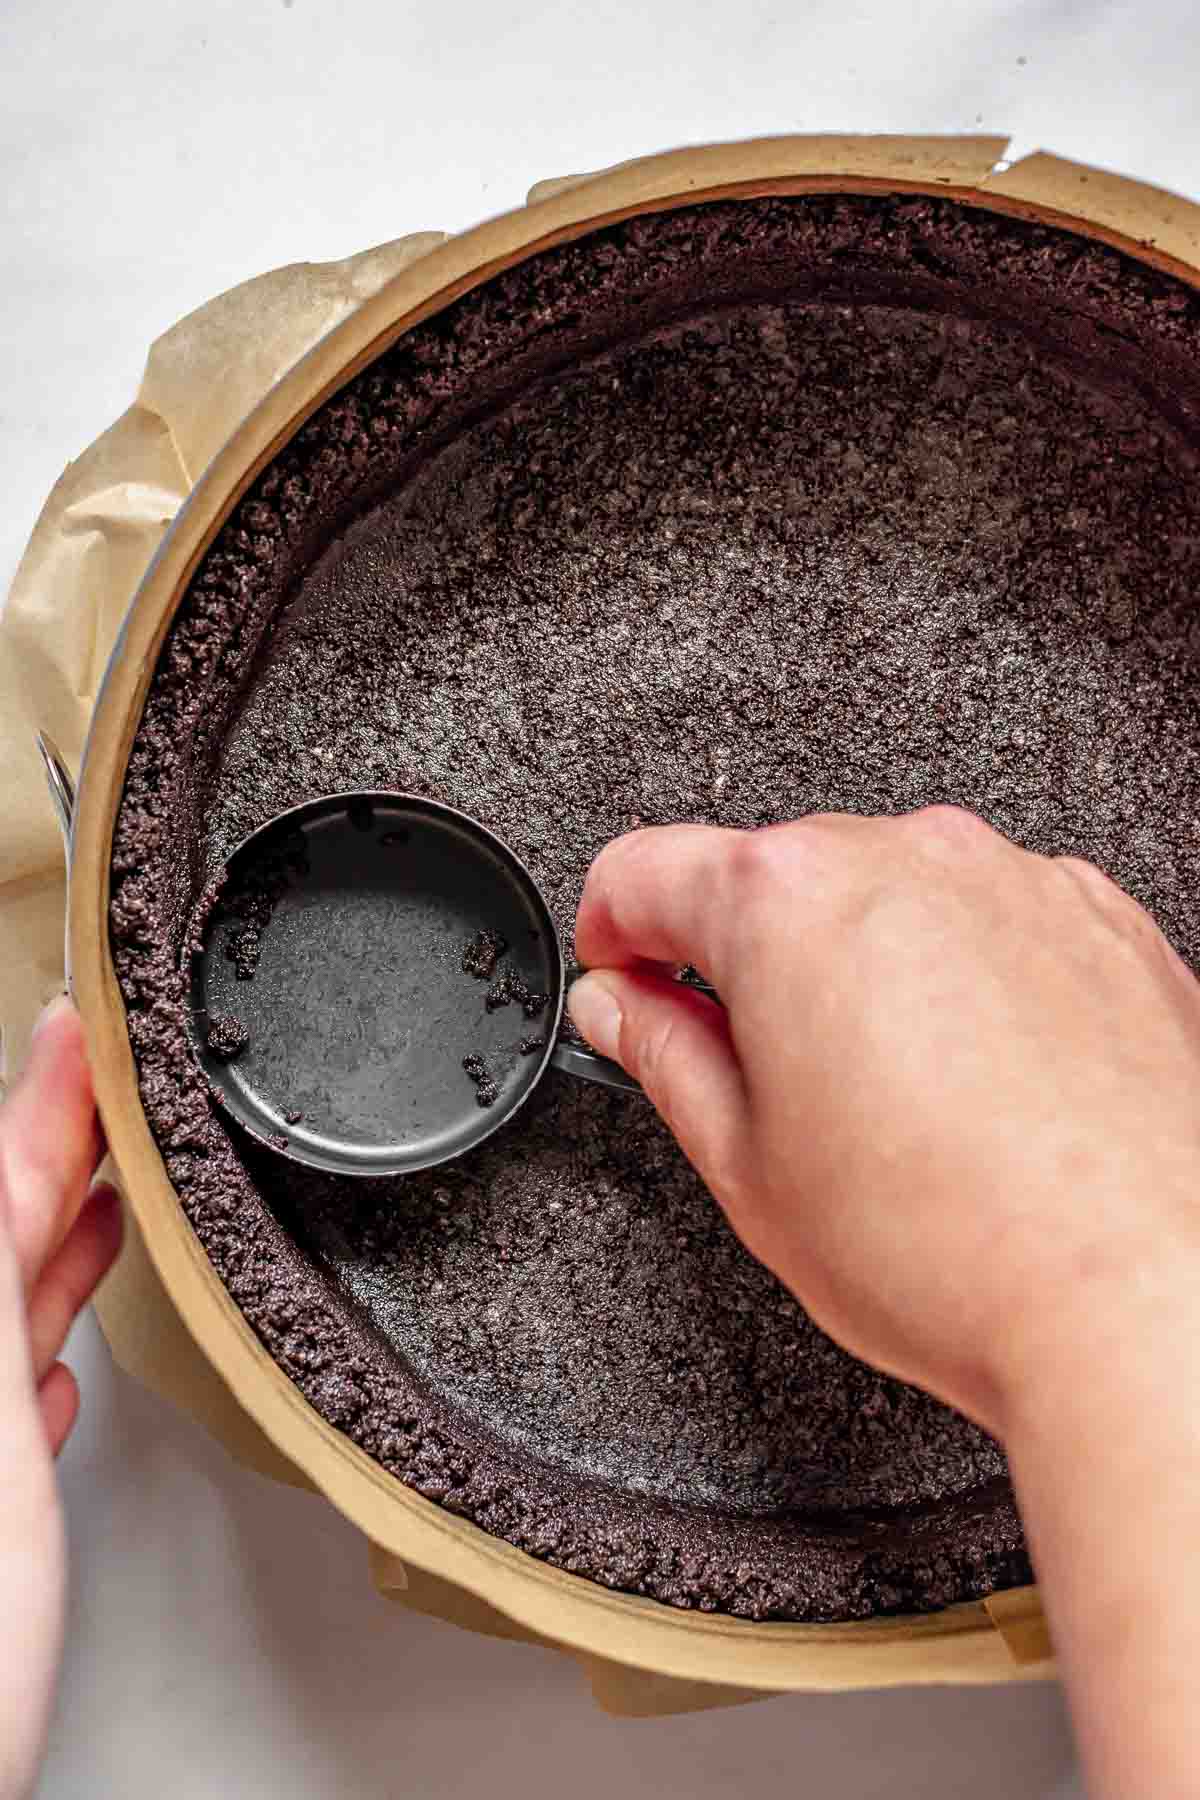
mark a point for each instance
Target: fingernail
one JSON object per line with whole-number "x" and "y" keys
{"x": 56, "y": 1009}
{"x": 594, "y": 1009}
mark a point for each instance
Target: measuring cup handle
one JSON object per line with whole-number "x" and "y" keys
{"x": 577, "y": 1059}
{"x": 574, "y": 1059}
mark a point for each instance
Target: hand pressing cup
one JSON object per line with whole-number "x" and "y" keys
{"x": 953, "y": 1101}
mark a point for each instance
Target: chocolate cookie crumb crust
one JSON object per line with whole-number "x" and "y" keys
{"x": 732, "y": 513}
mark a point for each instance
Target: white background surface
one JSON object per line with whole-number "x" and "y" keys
{"x": 224, "y": 1639}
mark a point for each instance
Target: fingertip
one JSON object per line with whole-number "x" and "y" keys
{"x": 57, "y": 1052}
{"x": 57, "y": 1016}
{"x": 70, "y": 1279}
{"x": 58, "y": 1402}
{"x": 106, "y": 1223}
{"x": 106, "y": 1199}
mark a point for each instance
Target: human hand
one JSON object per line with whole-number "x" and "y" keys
{"x": 56, "y": 1241}
{"x": 955, "y": 1091}
{"x": 954, "y": 1104}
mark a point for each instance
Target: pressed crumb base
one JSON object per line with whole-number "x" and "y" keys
{"x": 775, "y": 510}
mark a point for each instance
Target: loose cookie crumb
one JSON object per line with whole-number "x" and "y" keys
{"x": 226, "y": 1037}
{"x": 482, "y": 954}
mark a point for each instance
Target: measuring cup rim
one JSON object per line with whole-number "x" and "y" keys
{"x": 550, "y": 1021}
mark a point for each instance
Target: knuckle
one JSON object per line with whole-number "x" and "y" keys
{"x": 1086, "y": 875}
{"x": 944, "y": 824}
{"x": 1117, "y": 914}
{"x": 762, "y": 863}
{"x": 1097, "y": 887}
{"x": 751, "y": 861}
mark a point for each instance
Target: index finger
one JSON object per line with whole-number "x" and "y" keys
{"x": 661, "y": 895}
{"x": 705, "y": 894}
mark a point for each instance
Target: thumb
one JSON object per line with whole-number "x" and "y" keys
{"x": 676, "y": 1043}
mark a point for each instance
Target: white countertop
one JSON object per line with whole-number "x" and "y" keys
{"x": 224, "y": 1639}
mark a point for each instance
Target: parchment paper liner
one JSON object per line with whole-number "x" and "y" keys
{"x": 96, "y": 536}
